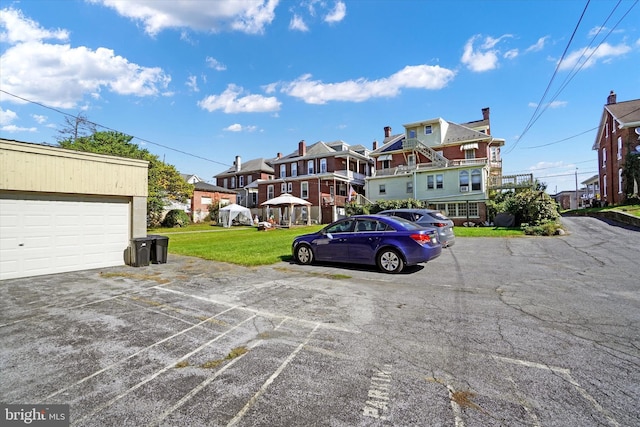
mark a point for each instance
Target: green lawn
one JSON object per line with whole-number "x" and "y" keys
{"x": 249, "y": 247}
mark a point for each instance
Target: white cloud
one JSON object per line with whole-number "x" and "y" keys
{"x": 215, "y": 64}
{"x": 14, "y": 128}
{"x": 553, "y": 104}
{"x": 60, "y": 75}
{"x": 249, "y": 16}
{"x": 297, "y": 23}
{"x": 588, "y": 57}
{"x": 511, "y": 54}
{"x": 16, "y": 28}
{"x": 337, "y": 14}
{"x": 192, "y": 83}
{"x": 7, "y": 116}
{"x": 231, "y": 101}
{"x": 418, "y": 77}
{"x": 237, "y": 127}
{"x": 538, "y": 46}
{"x": 39, "y": 118}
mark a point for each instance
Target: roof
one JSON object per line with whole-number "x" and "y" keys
{"x": 322, "y": 149}
{"x": 459, "y": 134}
{"x": 203, "y": 186}
{"x": 253, "y": 165}
{"x": 626, "y": 113}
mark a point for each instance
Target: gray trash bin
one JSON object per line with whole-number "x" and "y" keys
{"x": 159, "y": 247}
{"x": 141, "y": 251}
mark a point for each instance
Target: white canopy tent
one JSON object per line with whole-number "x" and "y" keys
{"x": 289, "y": 201}
{"x": 232, "y": 212}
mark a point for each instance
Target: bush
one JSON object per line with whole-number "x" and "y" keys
{"x": 176, "y": 218}
{"x": 549, "y": 228}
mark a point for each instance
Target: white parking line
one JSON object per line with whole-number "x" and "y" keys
{"x": 131, "y": 356}
{"x": 566, "y": 374}
{"x": 160, "y": 372}
{"x": 270, "y": 380}
{"x": 261, "y": 312}
{"x": 204, "y": 384}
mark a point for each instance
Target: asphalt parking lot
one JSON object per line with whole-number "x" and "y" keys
{"x": 523, "y": 331}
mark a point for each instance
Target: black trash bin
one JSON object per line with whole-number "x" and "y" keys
{"x": 159, "y": 247}
{"x": 141, "y": 251}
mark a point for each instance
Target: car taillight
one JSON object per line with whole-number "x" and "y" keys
{"x": 424, "y": 239}
{"x": 439, "y": 224}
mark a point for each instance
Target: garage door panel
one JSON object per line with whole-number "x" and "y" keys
{"x": 51, "y": 234}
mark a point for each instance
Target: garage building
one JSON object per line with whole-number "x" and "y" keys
{"x": 63, "y": 210}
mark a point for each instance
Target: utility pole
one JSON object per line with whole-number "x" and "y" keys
{"x": 577, "y": 204}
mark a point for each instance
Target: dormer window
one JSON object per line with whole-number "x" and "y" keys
{"x": 428, "y": 130}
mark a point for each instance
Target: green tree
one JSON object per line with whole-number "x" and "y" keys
{"x": 631, "y": 174}
{"x": 165, "y": 182}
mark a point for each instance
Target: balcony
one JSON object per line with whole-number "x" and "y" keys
{"x": 404, "y": 169}
{"x": 508, "y": 182}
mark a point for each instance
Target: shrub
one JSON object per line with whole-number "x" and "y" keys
{"x": 549, "y": 228}
{"x": 176, "y": 218}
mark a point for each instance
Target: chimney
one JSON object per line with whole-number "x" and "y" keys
{"x": 375, "y": 145}
{"x": 611, "y": 99}
{"x": 279, "y": 156}
{"x": 485, "y": 113}
{"x": 238, "y": 164}
{"x": 302, "y": 148}
{"x": 387, "y": 131}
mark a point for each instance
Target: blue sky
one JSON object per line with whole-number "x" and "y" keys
{"x": 199, "y": 82}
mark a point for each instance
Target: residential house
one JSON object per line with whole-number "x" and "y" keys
{"x": 567, "y": 199}
{"x": 451, "y": 166}
{"x": 591, "y": 195}
{"x": 616, "y": 139}
{"x": 327, "y": 174}
{"x": 244, "y": 178}
{"x": 206, "y": 195}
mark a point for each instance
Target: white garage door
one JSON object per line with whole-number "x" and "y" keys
{"x": 41, "y": 234}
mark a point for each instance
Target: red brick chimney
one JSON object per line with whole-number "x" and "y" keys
{"x": 279, "y": 156}
{"x": 611, "y": 99}
{"x": 375, "y": 145}
{"x": 387, "y": 131}
{"x": 302, "y": 148}
{"x": 485, "y": 113}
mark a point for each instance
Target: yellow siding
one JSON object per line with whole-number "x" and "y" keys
{"x": 33, "y": 167}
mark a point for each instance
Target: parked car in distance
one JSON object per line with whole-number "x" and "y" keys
{"x": 427, "y": 218}
{"x": 389, "y": 242}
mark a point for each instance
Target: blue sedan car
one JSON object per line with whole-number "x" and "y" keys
{"x": 391, "y": 243}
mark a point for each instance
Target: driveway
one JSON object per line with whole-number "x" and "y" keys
{"x": 520, "y": 331}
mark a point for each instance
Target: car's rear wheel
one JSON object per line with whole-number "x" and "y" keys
{"x": 304, "y": 255}
{"x": 390, "y": 261}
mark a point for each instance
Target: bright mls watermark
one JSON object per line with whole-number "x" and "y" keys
{"x": 34, "y": 415}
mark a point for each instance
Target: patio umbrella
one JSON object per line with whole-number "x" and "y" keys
{"x": 289, "y": 201}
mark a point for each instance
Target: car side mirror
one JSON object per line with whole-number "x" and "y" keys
{"x": 329, "y": 235}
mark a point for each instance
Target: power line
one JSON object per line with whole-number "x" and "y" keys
{"x": 555, "y": 72}
{"x": 114, "y": 130}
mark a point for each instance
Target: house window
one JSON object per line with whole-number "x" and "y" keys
{"x": 604, "y": 157}
{"x": 439, "y": 181}
{"x": 304, "y": 190}
{"x": 270, "y": 192}
{"x": 428, "y": 130}
{"x": 233, "y": 182}
{"x": 606, "y": 130}
{"x": 323, "y": 165}
{"x": 386, "y": 164}
{"x": 332, "y": 191}
{"x": 464, "y": 181}
{"x": 619, "y": 147}
{"x": 410, "y": 187}
{"x": 283, "y": 187}
{"x": 241, "y": 180}
{"x": 430, "y": 182}
{"x": 619, "y": 181}
{"x": 382, "y": 189}
{"x": 283, "y": 171}
{"x": 412, "y": 133}
{"x": 289, "y": 187}
{"x": 604, "y": 186}
{"x": 294, "y": 169}
{"x": 254, "y": 199}
{"x": 205, "y": 200}
{"x": 411, "y": 160}
{"x": 310, "y": 167}
{"x": 476, "y": 179}
{"x": 342, "y": 189}
{"x": 469, "y": 154}
{"x": 495, "y": 151}
{"x": 249, "y": 179}
{"x": 224, "y": 184}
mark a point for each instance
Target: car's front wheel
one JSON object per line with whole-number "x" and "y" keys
{"x": 390, "y": 261}
{"x": 304, "y": 255}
